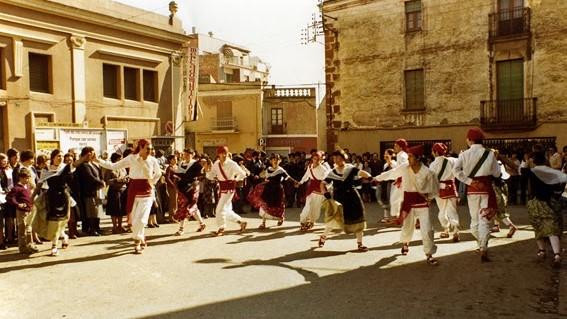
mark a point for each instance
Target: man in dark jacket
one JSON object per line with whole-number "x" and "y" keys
{"x": 90, "y": 181}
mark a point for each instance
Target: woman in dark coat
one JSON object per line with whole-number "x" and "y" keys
{"x": 117, "y": 182}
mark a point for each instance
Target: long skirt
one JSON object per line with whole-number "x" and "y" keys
{"x": 349, "y": 218}
{"x": 116, "y": 203}
{"x": 545, "y": 218}
{"x": 270, "y": 198}
{"x": 187, "y": 203}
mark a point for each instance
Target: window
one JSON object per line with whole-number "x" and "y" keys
{"x": 131, "y": 81}
{"x": 510, "y": 77}
{"x": 150, "y": 86}
{"x": 110, "y": 81}
{"x": 414, "y": 90}
{"x": 413, "y": 15}
{"x": 39, "y": 72}
{"x": 277, "y": 121}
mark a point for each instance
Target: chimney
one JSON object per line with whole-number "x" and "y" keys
{"x": 194, "y": 30}
{"x": 211, "y": 34}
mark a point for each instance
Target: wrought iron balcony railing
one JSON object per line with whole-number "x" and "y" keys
{"x": 224, "y": 124}
{"x": 508, "y": 114}
{"x": 509, "y": 23}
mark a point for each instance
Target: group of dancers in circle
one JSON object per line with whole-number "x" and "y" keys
{"x": 332, "y": 191}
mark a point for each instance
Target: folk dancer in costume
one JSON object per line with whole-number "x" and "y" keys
{"x": 385, "y": 188}
{"x": 315, "y": 174}
{"x": 544, "y": 209}
{"x": 188, "y": 191}
{"x": 502, "y": 194}
{"x": 269, "y": 196}
{"x": 227, "y": 172}
{"x": 344, "y": 208}
{"x": 144, "y": 174}
{"x": 396, "y": 193}
{"x": 477, "y": 167}
{"x": 419, "y": 187}
{"x": 442, "y": 167}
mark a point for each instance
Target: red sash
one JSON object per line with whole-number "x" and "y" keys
{"x": 137, "y": 188}
{"x": 450, "y": 190}
{"x": 227, "y": 185}
{"x": 411, "y": 200}
{"x": 482, "y": 185}
{"x": 398, "y": 182}
{"x": 314, "y": 184}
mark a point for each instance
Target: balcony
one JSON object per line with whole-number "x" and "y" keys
{"x": 519, "y": 114}
{"x": 284, "y": 93}
{"x": 509, "y": 24}
{"x": 224, "y": 124}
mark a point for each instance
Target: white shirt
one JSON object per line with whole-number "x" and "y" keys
{"x": 320, "y": 172}
{"x": 402, "y": 158}
{"x": 139, "y": 169}
{"x": 423, "y": 182}
{"x": 437, "y": 165}
{"x": 184, "y": 167}
{"x": 468, "y": 160}
{"x": 231, "y": 169}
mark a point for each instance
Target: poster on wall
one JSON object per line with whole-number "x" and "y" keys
{"x": 116, "y": 141}
{"x": 77, "y": 139}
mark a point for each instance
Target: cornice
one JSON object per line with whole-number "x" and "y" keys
{"x": 336, "y": 5}
{"x": 98, "y": 19}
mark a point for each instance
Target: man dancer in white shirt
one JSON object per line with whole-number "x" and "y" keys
{"x": 396, "y": 192}
{"x": 315, "y": 174}
{"x": 442, "y": 167}
{"x": 419, "y": 187}
{"x": 227, "y": 172}
{"x": 144, "y": 174}
{"x": 476, "y": 167}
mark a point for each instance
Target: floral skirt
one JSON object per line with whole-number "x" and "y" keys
{"x": 545, "y": 218}
{"x": 187, "y": 203}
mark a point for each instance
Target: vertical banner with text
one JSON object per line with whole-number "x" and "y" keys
{"x": 192, "y": 69}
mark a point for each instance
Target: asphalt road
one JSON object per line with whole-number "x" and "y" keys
{"x": 278, "y": 273}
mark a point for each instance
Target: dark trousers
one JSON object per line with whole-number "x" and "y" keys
{"x": 513, "y": 186}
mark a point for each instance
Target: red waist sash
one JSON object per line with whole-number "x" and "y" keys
{"x": 227, "y": 186}
{"x": 482, "y": 185}
{"x": 448, "y": 189}
{"x": 314, "y": 187}
{"x": 137, "y": 188}
{"x": 411, "y": 200}
{"x": 398, "y": 182}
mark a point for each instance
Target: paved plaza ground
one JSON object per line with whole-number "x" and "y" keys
{"x": 278, "y": 273}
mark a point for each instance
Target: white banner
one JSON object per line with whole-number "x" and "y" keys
{"x": 77, "y": 139}
{"x": 115, "y": 140}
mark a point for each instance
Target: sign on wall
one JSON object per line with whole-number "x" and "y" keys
{"x": 115, "y": 140}
{"x": 78, "y": 139}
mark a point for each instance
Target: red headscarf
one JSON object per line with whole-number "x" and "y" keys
{"x": 402, "y": 143}
{"x": 475, "y": 134}
{"x": 416, "y": 150}
{"x": 141, "y": 144}
{"x": 440, "y": 148}
{"x": 222, "y": 150}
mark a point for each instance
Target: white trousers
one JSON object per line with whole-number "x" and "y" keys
{"x": 480, "y": 226}
{"x": 312, "y": 209}
{"x": 396, "y": 199}
{"x": 224, "y": 210}
{"x": 448, "y": 216}
{"x": 140, "y": 214}
{"x": 426, "y": 229}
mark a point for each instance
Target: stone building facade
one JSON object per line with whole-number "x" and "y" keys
{"x": 429, "y": 70}
{"x": 70, "y": 69}
{"x": 290, "y": 120}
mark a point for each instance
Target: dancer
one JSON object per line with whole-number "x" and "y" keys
{"x": 269, "y": 196}
{"x": 57, "y": 201}
{"x": 344, "y": 208}
{"x": 188, "y": 191}
{"x": 396, "y": 193}
{"x": 144, "y": 174}
{"x": 476, "y": 167}
{"x": 419, "y": 187}
{"x": 385, "y": 188}
{"x": 442, "y": 167}
{"x": 544, "y": 209}
{"x": 502, "y": 194}
{"x": 228, "y": 173}
{"x": 315, "y": 174}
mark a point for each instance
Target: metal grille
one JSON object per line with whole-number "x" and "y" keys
{"x": 520, "y": 145}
